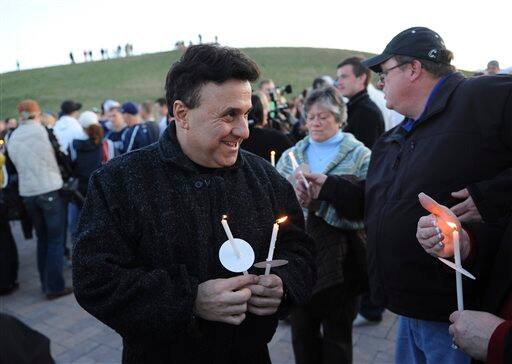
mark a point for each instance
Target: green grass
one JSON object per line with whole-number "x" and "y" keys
{"x": 140, "y": 78}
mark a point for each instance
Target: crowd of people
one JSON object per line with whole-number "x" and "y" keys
{"x": 142, "y": 189}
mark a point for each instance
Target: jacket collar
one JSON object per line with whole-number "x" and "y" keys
{"x": 438, "y": 100}
{"x": 442, "y": 95}
{"x": 171, "y": 152}
{"x": 357, "y": 97}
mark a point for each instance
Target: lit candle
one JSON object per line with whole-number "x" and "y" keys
{"x": 458, "y": 275}
{"x": 273, "y": 239}
{"x": 295, "y": 165}
{"x": 273, "y": 158}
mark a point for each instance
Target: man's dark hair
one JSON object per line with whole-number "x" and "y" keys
{"x": 358, "y": 68}
{"x": 256, "y": 113}
{"x": 436, "y": 69}
{"x": 202, "y": 64}
{"x": 161, "y": 101}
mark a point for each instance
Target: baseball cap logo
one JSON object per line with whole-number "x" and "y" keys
{"x": 432, "y": 53}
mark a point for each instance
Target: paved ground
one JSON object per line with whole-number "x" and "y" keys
{"x": 77, "y": 337}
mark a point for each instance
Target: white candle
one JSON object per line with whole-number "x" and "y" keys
{"x": 295, "y": 165}
{"x": 273, "y": 158}
{"x": 458, "y": 275}
{"x": 231, "y": 239}
{"x": 273, "y": 238}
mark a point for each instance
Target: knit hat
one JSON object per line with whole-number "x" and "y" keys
{"x": 88, "y": 118}
{"x": 29, "y": 109}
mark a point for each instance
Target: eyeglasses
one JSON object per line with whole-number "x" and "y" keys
{"x": 384, "y": 74}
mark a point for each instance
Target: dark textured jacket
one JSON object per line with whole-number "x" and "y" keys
{"x": 365, "y": 119}
{"x": 464, "y": 140}
{"x": 150, "y": 232}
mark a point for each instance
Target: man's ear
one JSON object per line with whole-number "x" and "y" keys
{"x": 180, "y": 112}
{"x": 416, "y": 69}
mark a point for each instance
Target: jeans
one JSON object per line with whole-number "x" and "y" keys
{"x": 47, "y": 212}
{"x": 426, "y": 342}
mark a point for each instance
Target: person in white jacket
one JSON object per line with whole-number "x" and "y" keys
{"x": 67, "y": 128}
{"x": 40, "y": 183}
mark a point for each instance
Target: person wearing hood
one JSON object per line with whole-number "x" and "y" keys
{"x": 86, "y": 156}
{"x": 67, "y": 128}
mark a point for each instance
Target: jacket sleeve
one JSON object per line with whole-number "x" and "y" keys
{"x": 294, "y": 245}
{"x": 493, "y": 197}
{"x": 345, "y": 194}
{"x": 112, "y": 285}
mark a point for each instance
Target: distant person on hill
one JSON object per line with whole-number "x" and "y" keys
{"x": 137, "y": 135}
{"x": 148, "y": 118}
{"x": 162, "y": 113}
{"x": 67, "y": 127}
{"x": 117, "y": 127}
{"x": 102, "y": 51}
{"x": 262, "y": 140}
{"x": 90, "y": 55}
{"x": 493, "y": 68}
{"x": 71, "y": 57}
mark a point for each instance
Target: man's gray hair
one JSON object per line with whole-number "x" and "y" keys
{"x": 330, "y": 99}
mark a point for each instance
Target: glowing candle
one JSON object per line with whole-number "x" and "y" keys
{"x": 295, "y": 165}
{"x": 458, "y": 275}
{"x": 272, "y": 247}
{"x": 273, "y": 158}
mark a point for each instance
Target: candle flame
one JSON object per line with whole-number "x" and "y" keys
{"x": 452, "y": 225}
{"x": 281, "y": 220}
{"x": 272, "y": 152}
{"x": 224, "y": 217}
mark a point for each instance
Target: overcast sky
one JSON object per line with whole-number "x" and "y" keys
{"x": 39, "y": 33}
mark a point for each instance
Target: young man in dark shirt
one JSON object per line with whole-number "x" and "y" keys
{"x": 365, "y": 120}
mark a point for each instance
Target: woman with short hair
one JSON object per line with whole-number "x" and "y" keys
{"x": 340, "y": 242}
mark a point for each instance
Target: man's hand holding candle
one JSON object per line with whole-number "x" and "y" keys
{"x": 434, "y": 233}
{"x": 266, "y": 295}
{"x": 472, "y": 331}
{"x": 224, "y": 300}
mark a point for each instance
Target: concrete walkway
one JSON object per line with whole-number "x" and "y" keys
{"x": 77, "y": 337}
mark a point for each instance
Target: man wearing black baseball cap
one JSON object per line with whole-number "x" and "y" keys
{"x": 455, "y": 144}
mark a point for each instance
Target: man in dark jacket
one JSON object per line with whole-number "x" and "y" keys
{"x": 457, "y": 136}
{"x": 486, "y": 334}
{"x": 366, "y": 123}
{"x": 365, "y": 120}
{"x": 147, "y": 256}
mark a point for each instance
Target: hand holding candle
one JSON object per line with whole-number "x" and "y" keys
{"x": 295, "y": 165}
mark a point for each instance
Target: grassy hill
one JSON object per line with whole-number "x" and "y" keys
{"x": 140, "y": 78}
